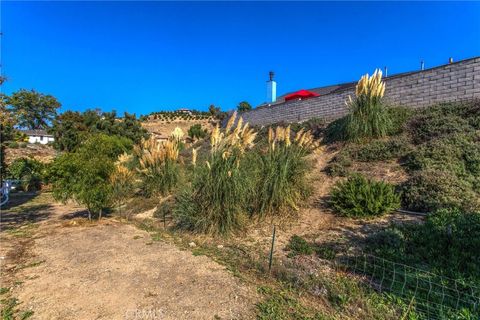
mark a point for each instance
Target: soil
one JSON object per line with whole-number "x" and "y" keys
{"x": 61, "y": 266}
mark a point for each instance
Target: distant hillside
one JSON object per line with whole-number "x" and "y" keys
{"x": 40, "y": 152}
{"x": 163, "y": 128}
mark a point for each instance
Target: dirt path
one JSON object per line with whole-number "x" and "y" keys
{"x": 111, "y": 270}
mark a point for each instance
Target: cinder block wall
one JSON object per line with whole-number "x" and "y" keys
{"x": 458, "y": 81}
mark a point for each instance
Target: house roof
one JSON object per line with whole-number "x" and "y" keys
{"x": 37, "y": 132}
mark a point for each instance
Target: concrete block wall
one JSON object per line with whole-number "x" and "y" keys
{"x": 458, "y": 81}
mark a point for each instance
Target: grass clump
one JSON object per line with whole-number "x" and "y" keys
{"x": 217, "y": 200}
{"x": 282, "y": 182}
{"x": 298, "y": 246}
{"x": 361, "y": 197}
{"x": 158, "y": 165}
{"x": 368, "y": 117}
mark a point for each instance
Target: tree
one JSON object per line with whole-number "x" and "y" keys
{"x": 34, "y": 110}
{"x": 84, "y": 175}
{"x": 70, "y": 128}
{"x": 7, "y": 130}
{"x": 213, "y": 110}
{"x": 244, "y": 106}
{"x": 197, "y": 132}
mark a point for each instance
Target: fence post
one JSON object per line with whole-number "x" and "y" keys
{"x": 271, "y": 250}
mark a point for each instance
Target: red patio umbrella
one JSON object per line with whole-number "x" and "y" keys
{"x": 301, "y": 94}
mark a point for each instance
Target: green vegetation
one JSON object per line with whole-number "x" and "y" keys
{"x": 181, "y": 115}
{"x": 157, "y": 165}
{"x": 360, "y": 197}
{"x": 34, "y": 110}
{"x": 282, "y": 177}
{"x": 30, "y": 171}
{"x": 84, "y": 175}
{"x": 217, "y": 199}
{"x": 368, "y": 117}
{"x": 297, "y": 246}
{"x": 197, "y": 132}
{"x": 71, "y": 127}
{"x": 244, "y": 106}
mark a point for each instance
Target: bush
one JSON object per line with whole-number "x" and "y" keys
{"x": 22, "y": 145}
{"x": 218, "y": 199}
{"x": 448, "y": 242}
{"x": 361, "y": 197}
{"x": 13, "y": 144}
{"x": 429, "y": 126}
{"x": 282, "y": 177}
{"x": 197, "y": 132}
{"x": 399, "y": 117}
{"x": 298, "y": 246}
{"x": 30, "y": 171}
{"x": 84, "y": 176}
{"x": 429, "y": 190}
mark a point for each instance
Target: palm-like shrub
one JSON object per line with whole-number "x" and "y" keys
{"x": 282, "y": 183}
{"x": 368, "y": 117}
{"x": 158, "y": 167}
{"x": 361, "y": 197}
{"x": 217, "y": 200}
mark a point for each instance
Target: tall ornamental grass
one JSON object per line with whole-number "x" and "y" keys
{"x": 368, "y": 117}
{"x": 122, "y": 180}
{"x": 282, "y": 183}
{"x": 158, "y": 165}
{"x": 217, "y": 200}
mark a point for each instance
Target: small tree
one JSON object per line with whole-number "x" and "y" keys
{"x": 197, "y": 132}
{"x": 33, "y": 109}
{"x": 244, "y": 106}
{"x": 84, "y": 176}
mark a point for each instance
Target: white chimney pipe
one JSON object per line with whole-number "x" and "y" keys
{"x": 271, "y": 89}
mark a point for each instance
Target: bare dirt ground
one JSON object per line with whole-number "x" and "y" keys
{"x": 63, "y": 267}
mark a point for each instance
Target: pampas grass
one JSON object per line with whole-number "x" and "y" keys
{"x": 368, "y": 117}
{"x": 282, "y": 183}
{"x": 158, "y": 166}
{"x": 217, "y": 200}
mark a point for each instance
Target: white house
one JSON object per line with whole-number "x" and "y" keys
{"x": 38, "y": 136}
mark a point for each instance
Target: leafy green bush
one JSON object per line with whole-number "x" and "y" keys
{"x": 13, "y": 144}
{"x": 218, "y": 198}
{"x": 84, "y": 176}
{"x": 429, "y": 190}
{"x": 282, "y": 181}
{"x": 361, "y": 197}
{"x": 29, "y": 170}
{"x": 298, "y": 246}
{"x": 339, "y": 165}
{"x": 197, "y": 132}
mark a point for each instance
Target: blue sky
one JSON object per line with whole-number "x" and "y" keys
{"x": 150, "y": 56}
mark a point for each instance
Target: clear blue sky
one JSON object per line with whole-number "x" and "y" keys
{"x": 151, "y": 56}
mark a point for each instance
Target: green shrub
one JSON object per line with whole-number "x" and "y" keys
{"x": 29, "y": 170}
{"x": 197, "y": 132}
{"x": 339, "y": 165}
{"x": 429, "y": 126}
{"x": 447, "y": 243}
{"x": 431, "y": 189}
{"x": 282, "y": 177}
{"x": 218, "y": 198}
{"x": 361, "y": 197}
{"x": 22, "y": 145}
{"x": 378, "y": 150}
{"x": 13, "y": 144}
{"x": 84, "y": 176}
{"x": 399, "y": 117}
{"x": 298, "y": 246}
{"x": 458, "y": 154}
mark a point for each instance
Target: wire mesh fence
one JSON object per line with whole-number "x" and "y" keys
{"x": 428, "y": 295}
